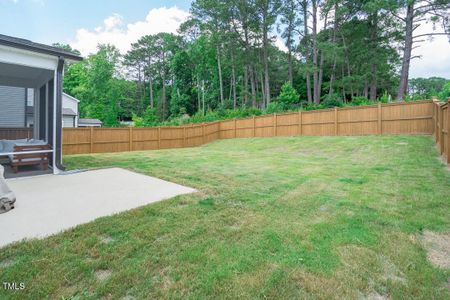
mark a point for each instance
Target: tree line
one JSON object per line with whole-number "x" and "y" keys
{"x": 226, "y": 57}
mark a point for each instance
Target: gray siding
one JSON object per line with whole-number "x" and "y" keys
{"x": 68, "y": 121}
{"x": 12, "y": 107}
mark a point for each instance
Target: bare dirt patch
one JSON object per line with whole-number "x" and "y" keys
{"x": 358, "y": 259}
{"x": 438, "y": 248}
{"x": 390, "y": 270}
{"x": 106, "y": 239}
{"x": 103, "y": 275}
{"x": 165, "y": 279}
{"x": 376, "y": 296}
{"x": 6, "y": 263}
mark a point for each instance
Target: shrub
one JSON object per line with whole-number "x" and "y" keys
{"x": 445, "y": 93}
{"x": 385, "y": 98}
{"x": 414, "y": 97}
{"x": 274, "y": 107}
{"x": 211, "y": 116}
{"x": 358, "y": 100}
{"x": 313, "y": 106}
{"x": 149, "y": 118}
{"x": 288, "y": 95}
{"x": 332, "y": 100}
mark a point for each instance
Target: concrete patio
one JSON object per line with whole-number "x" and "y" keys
{"x": 49, "y": 204}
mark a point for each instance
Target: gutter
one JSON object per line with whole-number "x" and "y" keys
{"x": 41, "y": 50}
{"x": 58, "y": 115}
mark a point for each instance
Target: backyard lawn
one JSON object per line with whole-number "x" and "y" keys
{"x": 300, "y": 217}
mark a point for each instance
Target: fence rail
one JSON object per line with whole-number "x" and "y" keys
{"x": 419, "y": 117}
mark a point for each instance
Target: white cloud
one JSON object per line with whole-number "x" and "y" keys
{"x": 114, "y": 31}
{"x": 280, "y": 44}
{"x": 435, "y": 55}
{"x": 111, "y": 22}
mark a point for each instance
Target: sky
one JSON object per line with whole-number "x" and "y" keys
{"x": 83, "y": 24}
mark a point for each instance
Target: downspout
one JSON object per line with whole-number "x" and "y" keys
{"x": 57, "y": 117}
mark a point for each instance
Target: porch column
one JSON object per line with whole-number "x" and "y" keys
{"x": 57, "y": 118}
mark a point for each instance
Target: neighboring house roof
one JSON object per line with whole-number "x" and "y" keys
{"x": 70, "y": 97}
{"x": 89, "y": 122}
{"x": 65, "y": 111}
{"x": 36, "y": 47}
{"x": 68, "y": 112}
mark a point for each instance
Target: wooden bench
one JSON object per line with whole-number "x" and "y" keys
{"x": 29, "y": 159}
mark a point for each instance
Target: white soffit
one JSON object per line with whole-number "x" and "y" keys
{"x": 21, "y": 57}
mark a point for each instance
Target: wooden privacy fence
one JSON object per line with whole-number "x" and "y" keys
{"x": 441, "y": 122}
{"x": 417, "y": 117}
{"x": 101, "y": 140}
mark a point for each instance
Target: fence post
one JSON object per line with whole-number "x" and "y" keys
{"x": 448, "y": 130}
{"x": 436, "y": 119}
{"x": 441, "y": 130}
{"x": 380, "y": 120}
{"x": 300, "y": 123}
{"x": 275, "y": 124}
{"x": 91, "y": 139}
{"x": 235, "y": 127}
{"x": 184, "y": 136}
{"x": 159, "y": 137}
{"x": 254, "y": 126}
{"x": 130, "y": 132}
{"x": 435, "y": 122}
{"x": 336, "y": 127}
{"x": 203, "y": 133}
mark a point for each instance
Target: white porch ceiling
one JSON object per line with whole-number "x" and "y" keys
{"x": 23, "y": 76}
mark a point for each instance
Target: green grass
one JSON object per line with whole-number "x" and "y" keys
{"x": 309, "y": 217}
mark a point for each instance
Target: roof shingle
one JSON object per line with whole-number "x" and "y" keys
{"x": 36, "y": 47}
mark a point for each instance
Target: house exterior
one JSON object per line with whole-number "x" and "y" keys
{"x": 36, "y": 72}
{"x": 69, "y": 111}
{"x": 13, "y": 106}
{"x": 16, "y": 100}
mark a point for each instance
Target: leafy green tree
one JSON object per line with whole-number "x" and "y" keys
{"x": 148, "y": 119}
{"x": 183, "y": 98}
{"x": 95, "y": 82}
{"x": 75, "y": 79}
{"x": 66, "y": 47}
{"x": 445, "y": 93}
{"x": 425, "y": 88}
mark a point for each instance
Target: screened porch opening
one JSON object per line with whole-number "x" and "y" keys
{"x": 26, "y": 120}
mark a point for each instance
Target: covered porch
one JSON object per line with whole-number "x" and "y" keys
{"x": 30, "y": 107}
{"x": 26, "y": 120}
